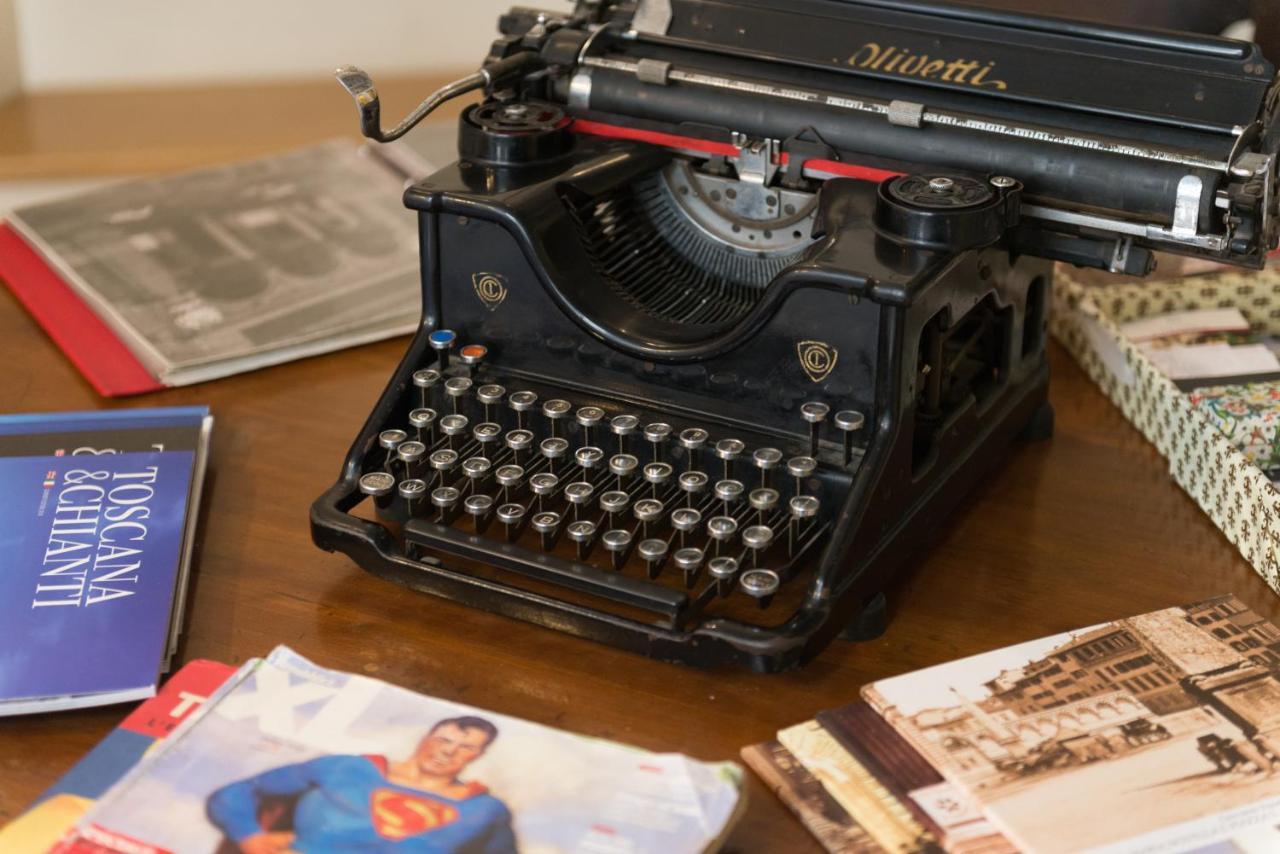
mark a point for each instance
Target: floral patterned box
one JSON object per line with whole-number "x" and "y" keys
{"x": 1203, "y": 459}
{"x": 1248, "y": 416}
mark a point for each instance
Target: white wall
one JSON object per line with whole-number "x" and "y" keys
{"x": 9, "y": 66}
{"x": 98, "y": 43}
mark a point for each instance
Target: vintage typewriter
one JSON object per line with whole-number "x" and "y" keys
{"x": 726, "y": 304}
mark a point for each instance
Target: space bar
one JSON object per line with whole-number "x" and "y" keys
{"x": 547, "y": 567}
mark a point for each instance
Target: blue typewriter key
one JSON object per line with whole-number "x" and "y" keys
{"x": 618, "y": 543}
{"x": 377, "y": 483}
{"x": 654, "y": 554}
{"x": 442, "y": 341}
{"x": 622, "y": 427}
{"x": 760, "y": 584}
{"x": 723, "y": 570}
{"x": 425, "y": 379}
{"x": 689, "y": 560}
{"x": 411, "y": 491}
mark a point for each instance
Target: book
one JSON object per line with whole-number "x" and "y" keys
{"x": 1159, "y": 732}
{"x": 823, "y": 815}
{"x": 295, "y": 756}
{"x": 56, "y": 811}
{"x": 180, "y": 279}
{"x": 97, "y": 527}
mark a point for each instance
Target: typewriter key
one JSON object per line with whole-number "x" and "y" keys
{"x": 508, "y": 476}
{"x": 849, "y": 421}
{"x": 446, "y": 498}
{"x": 420, "y": 418}
{"x": 760, "y": 584}
{"x": 614, "y": 502}
{"x": 801, "y": 468}
{"x": 802, "y": 507}
{"x": 425, "y": 379}
{"x": 647, "y": 510}
{"x": 814, "y": 412}
{"x": 555, "y": 410}
{"x": 546, "y": 523}
{"x": 688, "y": 560}
{"x": 623, "y": 465}
{"x": 757, "y": 538}
{"x": 377, "y": 483}
{"x": 723, "y": 569}
{"x": 517, "y": 441}
{"x": 443, "y": 461}
{"x": 456, "y": 387}
{"x": 543, "y": 484}
{"x": 692, "y": 441}
{"x": 521, "y": 402}
{"x": 588, "y": 458}
{"x": 442, "y": 341}
{"x": 578, "y": 493}
{"x": 622, "y": 427}
{"x": 766, "y": 459}
{"x": 693, "y": 483}
{"x": 721, "y": 529}
{"x": 763, "y": 500}
{"x": 478, "y": 507}
{"x": 486, "y": 432}
{"x": 453, "y": 425}
{"x": 582, "y": 532}
{"x": 657, "y": 474}
{"x": 390, "y": 440}
{"x": 553, "y": 449}
{"x": 618, "y": 542}
{"x": 472, "y": 354}
{"x": 490, "y": 396}
{"x": 510, "y": 515}
{"x": 729, "y": 450}
{"x": 685, "y": 520}
{"x": 410, "y": 453}
{"x": 475, "y": 468}
{"x": 656, "y": 434}
{"x": 654, "y": 553}
{"x": 729, "y": 491}
{"x": 411, "y": 491}
{"x": 588, "y": 417}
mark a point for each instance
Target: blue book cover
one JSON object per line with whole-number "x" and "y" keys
{"x": 96, "y": 518}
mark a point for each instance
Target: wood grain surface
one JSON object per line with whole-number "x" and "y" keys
{"x": 1080, "y": 529}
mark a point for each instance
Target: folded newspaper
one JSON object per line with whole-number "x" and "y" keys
{"x": 288, "y": 756}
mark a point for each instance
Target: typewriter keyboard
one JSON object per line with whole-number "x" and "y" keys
{"x": 666, "y": 518}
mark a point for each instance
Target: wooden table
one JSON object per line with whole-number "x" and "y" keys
{"x": 1074, "y": 531}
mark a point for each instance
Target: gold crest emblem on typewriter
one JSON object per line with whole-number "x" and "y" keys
{"x": 491, "y": 289}
{"x": 817, "y": 359}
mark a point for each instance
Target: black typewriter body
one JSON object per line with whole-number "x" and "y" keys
{"x": 698, "y": 371}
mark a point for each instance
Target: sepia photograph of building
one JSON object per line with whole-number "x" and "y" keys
{"x": 1163, "y": 719}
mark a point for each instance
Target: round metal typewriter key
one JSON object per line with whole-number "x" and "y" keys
{"x": 555, "y": 410}
{"x": 510, "y": 515}
{"x": 723, "y": 569}
{"x": 647, "y": 510}
{"x": 582, "y": 532}
{"x": 546, "y": 523}
{"x": 425, "y": 379}
{"x": 411, "y": 490}
{"x": 517, "y": 441}
{"x": 613, "y": 502}
{"x": 472, "y": 354}
{"x": 477, "y": 507}
{"x": 410, "y": 453}
{"x": 377, "y": 483}
{"x": 490, "y": 396}
{"x": 729, "y": 450}
{"x": 654, "y": 553}
{"x": 1003, "y": 182}
{"x": 578, "y": 493}
{"x": 814, "y": 412}
{"x": 766, "y": 459}
{"x": 391, "y": 439}
{"x": 760, "y": 584}
{"x": 763, "y": 500}
{"x": 486, "y": 432}
{"x": 693, "y": 483}
{"x": 801, "y": 468}
{"x": 848, "y": 422}
{"x": 622, "y": 427}
{"x": 656, "y": 434}
{"x": 553, "y": 449}
{"x": 729, "y": 491}
{"x": 456, "y": 387}
{"x": 618, "y": 542}
{"x": 588, "y": 417}
{"x": 804, "y": 506}
{"x": 688, "y": 560}
{"x": 508, "y": 476}
{"x": 721, "y": 529}
{"x": 443, "y": 459}
{"x": 623, "y": 465}
{"x": 423, "y": 418}
{"x": 521, "y": 402}
{"x": 475, "y": 468}
{"x": 588, "y": 457}
{"x": 686, "y": 520}
{"x": 453, "y": 425}
{"x": 446, "y": 498}
{"x": 657, "y": 474}
{"x": 692, "y": 440}
{"x": 757, "y": 538}
{"x": 442, "y": 341}
{"x": 543, "y": 484}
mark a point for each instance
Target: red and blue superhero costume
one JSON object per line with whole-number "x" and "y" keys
{"x": 346, "y": 803}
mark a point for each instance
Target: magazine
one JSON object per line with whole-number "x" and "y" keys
{"x": 1159, "y": 732}
{"x": 296, "y": 757}
{"x": 56, "y": 811}
{"x": 96, "y": 533}
{"x": 232, "y": 268}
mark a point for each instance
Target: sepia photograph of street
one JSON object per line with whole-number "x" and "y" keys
{"x": 1115, "y": 732}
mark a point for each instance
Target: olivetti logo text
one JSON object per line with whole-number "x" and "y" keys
{"x": 817, "y": 359}
{"x": 894, "y": 60}
{"x": 491, "y": 288}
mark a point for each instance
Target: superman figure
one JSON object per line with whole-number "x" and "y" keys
{"x": 367, "y": 803}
